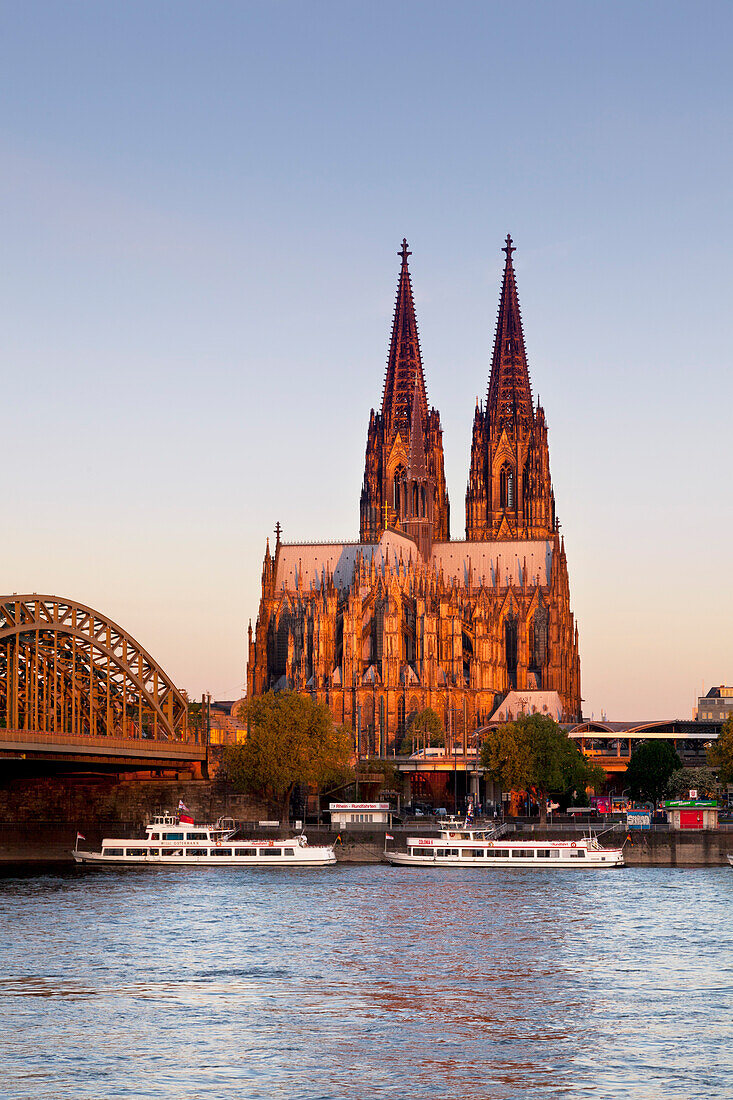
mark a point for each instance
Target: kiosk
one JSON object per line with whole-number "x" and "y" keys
{"x": 692, "y": 813}
{"x": 344, "y": 814}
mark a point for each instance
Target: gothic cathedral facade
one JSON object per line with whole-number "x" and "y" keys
{"x": 407, "y": 618}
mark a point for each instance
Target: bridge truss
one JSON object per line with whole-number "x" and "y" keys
{"x": 66, "y": 670}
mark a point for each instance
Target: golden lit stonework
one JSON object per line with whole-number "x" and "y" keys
{"x": 405, "y": 618}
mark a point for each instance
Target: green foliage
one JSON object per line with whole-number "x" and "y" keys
{"x": 425, "y": 729}
{"x": 684, "y": 780}
{"x": 389, "y": 773}
{"x": 195, "y": 717}
{"x": 720, "y": 753}
{"x": 649, "y": 770}
{"x": 290, "y": 740}
{"x": 533, "y": 752}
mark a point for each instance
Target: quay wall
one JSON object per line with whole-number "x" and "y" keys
{"x": 39, "y": 820}
{"x": 648, "y": 849}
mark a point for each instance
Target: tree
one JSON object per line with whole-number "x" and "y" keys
{"x": 720, "y": 753}
{"x": 425, "y": 729}
{"x": 290, "y": 740}
{"x": 649, "y": 770}
{"x": 684, "y": 780}
{"x": 533, "y": 752}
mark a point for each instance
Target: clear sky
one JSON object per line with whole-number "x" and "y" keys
{"x": 201, "y": 210}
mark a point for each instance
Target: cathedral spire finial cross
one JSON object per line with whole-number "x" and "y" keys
{"x": 404, "y": 252}
{"x": 509, "y": 247}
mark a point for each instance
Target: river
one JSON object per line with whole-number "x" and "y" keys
{"x": 365, "y": 981}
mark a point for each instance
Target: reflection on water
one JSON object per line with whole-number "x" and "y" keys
{"x": 366, "y": 981}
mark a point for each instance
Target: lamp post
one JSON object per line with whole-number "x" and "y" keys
{"x": 455, "y": 769}
{"x": 358, "y": 746}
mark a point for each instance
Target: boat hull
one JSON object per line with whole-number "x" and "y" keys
{"x": 305, "y": 857}
{"x": 607, "y": 861}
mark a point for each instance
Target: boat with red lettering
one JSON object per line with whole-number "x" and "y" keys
{"x": 173, "y": 840}
{"x": 467, "y": 846}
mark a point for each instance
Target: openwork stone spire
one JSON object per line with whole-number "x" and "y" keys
{"x": 404, "y": 431}
{"x": 509, "y": 401}
{"x": 404, "y": 363}
{"x": 509, "y": 494}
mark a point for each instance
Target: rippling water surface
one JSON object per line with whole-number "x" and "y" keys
{"x": 366, "y": 982}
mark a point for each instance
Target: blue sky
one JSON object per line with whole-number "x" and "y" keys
{"x": 202, "y": 209}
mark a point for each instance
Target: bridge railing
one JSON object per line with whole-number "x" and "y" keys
{"x": 10, "y": 738}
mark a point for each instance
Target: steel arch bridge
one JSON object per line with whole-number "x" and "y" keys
{"x": 66, "y": 672}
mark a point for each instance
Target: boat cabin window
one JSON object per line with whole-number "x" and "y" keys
{"x": 245, "y": 851}
{"x": 221, "y": 851}
{"x": 155, "y": 836}
{"x": 113, "y": 851}
{"x": 477, "y": 853}
{"x": 288, "y": 851}
{"x": 555, "y": 853}
{"x": 578, "y": 853}
{"x": 271, "y": 851}
{"x": 136, "y": 851}
{"x": 172, "y": 852}
{"x": 173, "y": 836}
{"x": 195, "y": 851}
{"x": 154, "y": 852}
{"x": 523, "y": 853}
{"x": 422, "y": 852}
{"x": 196, "y": 836}
{"x": 543, "y": 853}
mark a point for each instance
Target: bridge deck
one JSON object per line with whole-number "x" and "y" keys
{"x": 71, "y": 746}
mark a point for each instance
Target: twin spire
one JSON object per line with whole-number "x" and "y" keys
{"x": 404, "y": 378}
{"x": 509, "y": 399}
{"x": 509, "y": 493}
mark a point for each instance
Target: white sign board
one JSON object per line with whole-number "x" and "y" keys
{"x": 359, "y": 806}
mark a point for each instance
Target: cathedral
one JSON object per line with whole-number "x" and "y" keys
{"x": 407, "y": 618}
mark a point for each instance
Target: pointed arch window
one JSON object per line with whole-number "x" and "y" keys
{"x": 538, "y": 638}
{"x": 506, "y": 486}
{"x": 510, "y": 644}
{"x": 396, "y": 488}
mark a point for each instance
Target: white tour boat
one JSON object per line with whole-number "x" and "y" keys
{"x": 171, "y": 841}
{"x": 466, "y": 846}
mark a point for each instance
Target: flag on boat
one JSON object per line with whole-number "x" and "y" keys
{"x": 388, "y": 836}
{"x": 182, "y": 806}
{"x": 80, "y": 837}
{"x": 185, "y": 819}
